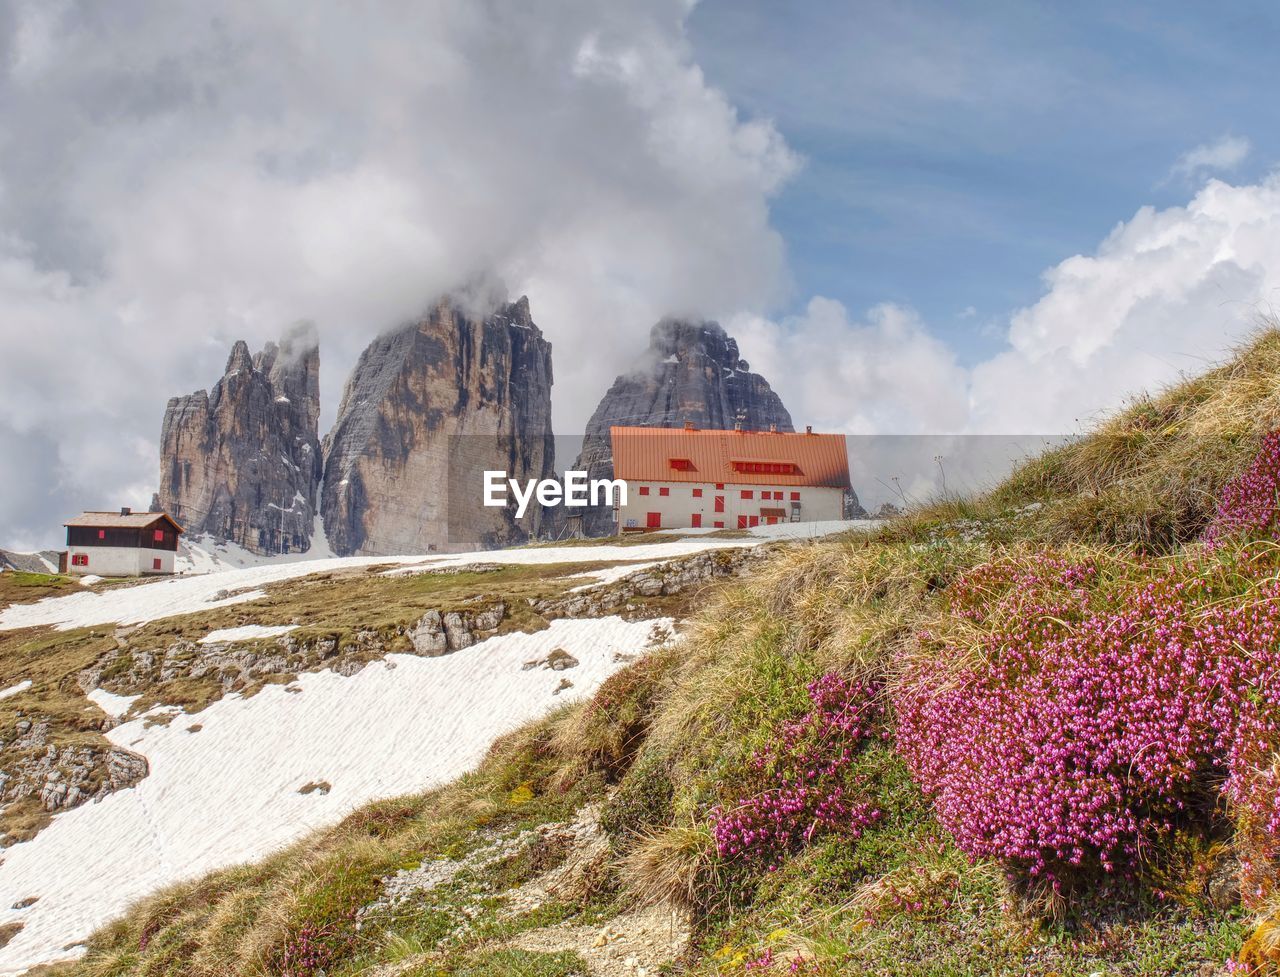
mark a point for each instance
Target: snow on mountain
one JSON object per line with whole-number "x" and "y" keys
{"x": 225, "y": 783}
{"x": 186, "y": 595}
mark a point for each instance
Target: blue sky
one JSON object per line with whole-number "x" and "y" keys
{"x": 955, "y": 151}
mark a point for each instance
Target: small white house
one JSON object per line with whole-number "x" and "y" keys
{"x": 121, "y": 544}
{"x": 689, "y": 478}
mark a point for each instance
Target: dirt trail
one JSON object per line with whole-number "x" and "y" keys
{"x": 634, "y": 944}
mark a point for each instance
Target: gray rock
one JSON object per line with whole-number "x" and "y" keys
{"x": 457, "y": 631}
{"x": 490, "y": 617}
{"x": 559, "y": 660}
{"x": 435, "y": 403}
{"x": 428, "y": 636}
{"x": 243, "y": 462}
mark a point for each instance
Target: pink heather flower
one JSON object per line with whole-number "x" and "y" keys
{"x": 800, "y": 787}
{"x": 1249, "y": 506}
{"x": 1097, "y": 721}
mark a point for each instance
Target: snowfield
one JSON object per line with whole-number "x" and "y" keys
{"x": 225, "y": 783}
{"x": 15, "y": 689}
{"x": 187, "y": 595}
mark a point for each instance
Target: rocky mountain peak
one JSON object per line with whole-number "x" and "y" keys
{"x": 427, "y": 407}
{"x": 242, "y": 462}
{"x": 240, "y": 360}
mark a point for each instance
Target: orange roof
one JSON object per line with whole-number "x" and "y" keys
{"x": 121, "y": 520}
{"x": 664, "y": 454}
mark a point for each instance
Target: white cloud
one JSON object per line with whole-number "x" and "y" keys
{"x": 1221, "y": 156}
{"x": 1166, "y": 293}
{"x": 173, "y": 178}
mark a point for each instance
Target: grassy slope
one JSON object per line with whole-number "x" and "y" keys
{"x": 669, "y": 738}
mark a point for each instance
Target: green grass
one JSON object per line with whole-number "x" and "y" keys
{"x": 668, "y": 738}
{"x": 18, "y": 587}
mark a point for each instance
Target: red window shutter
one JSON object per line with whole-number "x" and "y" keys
{"x": 102, "y": 534}
{"x": 754, "y": 521}
{"x": 644, "y": 489}
{"x": 795, "y": 496}
{"x": 697, "y": 493}
{"x": 718, "y": 524}
{"x": 159, "y": 538}
{"x": 719, "y": 503}
{"x": 155, "y": 564}
{"x": 654, "y": 520}
{"x": 664, "y": 490}
{"x": 720, "y": 486}
{"x": 746, "y": 493}
{"x": 772, "y": 520}
{"x": 742, "y": 522}
{"x": 697, "y": 520}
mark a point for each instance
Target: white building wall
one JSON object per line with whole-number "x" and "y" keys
{"x": 120, "y": 561}
{"x": 677, "y": 508}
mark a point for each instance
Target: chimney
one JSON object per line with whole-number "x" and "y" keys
{"x": 773, "y": 429}
{"x": 737, "y": 425}
{"x": 688, "y": 426}
{"x": 808, "y": 429}
{"x": 125, "y": 511}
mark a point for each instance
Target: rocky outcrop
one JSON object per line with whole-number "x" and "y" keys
{"x": 239, "y": 666}
{"x": 61, "y": 778}
{"x": 427, "y": 410}
{"x": 627, "y": 595}
{"x": 691, "y": 372}
{"x": 242, "y": 463}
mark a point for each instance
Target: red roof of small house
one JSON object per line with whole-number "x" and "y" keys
{"x": 121, "y": 520}
{"x": 663, "y": 454}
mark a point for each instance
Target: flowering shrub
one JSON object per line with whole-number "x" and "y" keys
{"x": 1098, "y": 719}
{"x": 1250, "y": 503}
{"x": 314, "y": 947}
{"x": 801, "y": 786}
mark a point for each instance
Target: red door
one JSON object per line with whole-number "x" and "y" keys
{"x": 654, "y": 520}
{"x": 719, "y": 503}
{"x": 697, "y": 520}
{"x": 742, "y": 522}
{"x": 754, "y": 521}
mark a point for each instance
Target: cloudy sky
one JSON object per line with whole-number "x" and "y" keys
{"x": 918, "y": 218}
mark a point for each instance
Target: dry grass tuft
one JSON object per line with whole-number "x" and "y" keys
{"x": 674, "y": 866}
{"x": 1150, "y": 476}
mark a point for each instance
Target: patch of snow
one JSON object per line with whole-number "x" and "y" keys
{"x": 230, "y": 792}
{"x": 89, "y": 579}
{"x": 607, "y": 576}
{"x": 793, "y": 530}
{"x": 672, "y": 359}
{"x": 115, "y": 706}
{"x": 171, "y": 596}
{"x": 812, "y": 530}
{"x": 15, "y": 689}
{"x": 247, "y": 632}
{"x": 605, "y": 553}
